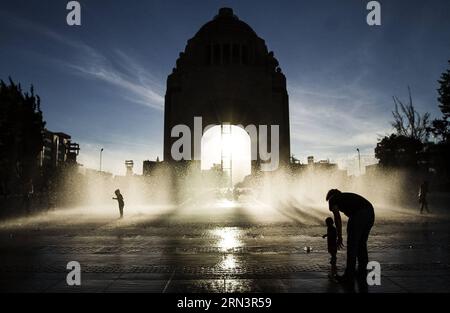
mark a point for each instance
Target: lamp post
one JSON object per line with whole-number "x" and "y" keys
{"x": 359, "y": 160}
{"x": 101, "y": 155}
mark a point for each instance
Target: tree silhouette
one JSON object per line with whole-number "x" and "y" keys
{"x": 405, "y": 148}
{"x": 21, "y": 132}
{"x": 441, "y": 127}
{"x": 408, "y": 122}
{"x": 440, "y": 150}
{"x": 399, "y": 151}
{"x": 444, "y": 93}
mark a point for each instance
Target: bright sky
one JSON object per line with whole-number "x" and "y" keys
{"x": 104, "y": 82}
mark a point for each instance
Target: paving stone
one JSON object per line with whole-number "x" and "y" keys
{"x": 180, "y": 254}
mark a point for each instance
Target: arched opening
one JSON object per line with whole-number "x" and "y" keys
{"x": 226, "y": 149}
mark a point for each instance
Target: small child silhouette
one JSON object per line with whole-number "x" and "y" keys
{"x": 119, "y": 199}
{"x": 331, "y": 236}
{"x": 423, "y": 192}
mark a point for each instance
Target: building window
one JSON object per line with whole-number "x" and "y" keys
{"x": 244, "y": 55}
{"x": 208, "y": 55}
{"x": 217, "y": 54}
{"x": 236, "y": 54}
{"x": 226, "y": 53}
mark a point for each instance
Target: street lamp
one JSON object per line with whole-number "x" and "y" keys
{"x": 359, "y": 160}
{"x": 101, "y": 155}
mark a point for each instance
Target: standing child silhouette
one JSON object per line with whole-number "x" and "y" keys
{"x": 331, "y": 236}
{"x": 119, "y": 199}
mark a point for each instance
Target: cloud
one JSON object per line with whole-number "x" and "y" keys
{"x": 118, "y": 69}
{"x": 136, "y": 88}
{"x": 122, "y": 71}
{"x": 332, "y": 121}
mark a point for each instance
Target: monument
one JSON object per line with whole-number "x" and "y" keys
{"x": 226, "y": 75}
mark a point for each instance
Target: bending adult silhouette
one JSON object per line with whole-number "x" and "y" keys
{"x": 361, "y": 218}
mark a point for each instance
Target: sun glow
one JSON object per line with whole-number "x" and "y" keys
{"x": 229, "y": 147}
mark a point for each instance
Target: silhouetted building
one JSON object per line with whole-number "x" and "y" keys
{"x": 149, "y": 167}
{"x": 226, "y": 75}
{"x": 324, "y": 165}
{"x": 318, "y": 167}
{"x": 129, "y": 164}
{"x": 58, "y": 149}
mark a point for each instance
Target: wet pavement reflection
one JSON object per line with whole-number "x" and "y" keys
{"x": 228, "y": 238}
{"x": 226, "y": 252}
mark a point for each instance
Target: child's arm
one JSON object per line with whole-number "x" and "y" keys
{"x": 338, "y": 223}
{"x": 114, "y": 198}
{"x": 325, "y": 236}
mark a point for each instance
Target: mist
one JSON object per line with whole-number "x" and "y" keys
{"x": 193, "y": 196}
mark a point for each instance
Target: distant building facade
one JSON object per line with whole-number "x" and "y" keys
{"x": 129, "y": 165}
{"x": 149, "y": 167}
{"x": 58, "y": 149}
{"x": 322, "y": 165}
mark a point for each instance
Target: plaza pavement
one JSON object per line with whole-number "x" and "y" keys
{"x": 230, "y": 252}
